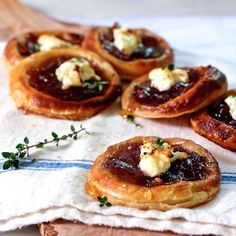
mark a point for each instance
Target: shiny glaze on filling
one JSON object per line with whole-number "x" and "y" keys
{"x": 220, "y": 111}
{"x": 145, "y": 94}
{"x": 124, "y": 164}
{"x": 44, "y": 80}
{"x": 151, "y": 47}
{"x": 28, "y": 46}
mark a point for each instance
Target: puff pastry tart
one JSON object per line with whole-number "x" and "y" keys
{"x": 132, "y": 52}
{"x": 168, "y": 92}
{"x": 218, "y": 122}
{"x": 64, "y": 83}
{"x": 154, "y": 173}
{"x": 29, "y": 43}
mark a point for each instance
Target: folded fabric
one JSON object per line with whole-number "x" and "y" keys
{"x": 30, "y": 196}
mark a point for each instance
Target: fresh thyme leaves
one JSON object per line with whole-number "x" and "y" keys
{"x": 75, "y": 60}
{"x": 14, "y": 158}
{"x": 171, "y": 67}
{"x": 160, "y": 143}
{"x": 127, "y": 38}
{"x": 37, "y": 47}
{"x": 95, "y": 84}
{"x": 104, "y": 201}
{"x": 147, "y": 52}
{"x": 79, "y": 61}
{"x": 130, "y": 119}
{"x": 152, "y": 52}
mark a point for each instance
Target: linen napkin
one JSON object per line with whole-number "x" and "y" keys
{"x": 53, "y": 186}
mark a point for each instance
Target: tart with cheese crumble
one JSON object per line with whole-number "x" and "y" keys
{"x": 171, "y": 92}
{"x": 70, "y": 83}
{"x": 29, "y": 43}
{"x": 218, "y": 121}
{"x": 154, "y": 173}
{"x": 132, "y": 52}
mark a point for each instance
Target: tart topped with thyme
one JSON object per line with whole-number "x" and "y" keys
{"x": 132, "y": 52}
{"x": 126, "y": 44}
{"x": 170, "y": 92}
{"x": 155, "y": 173}
{"x": 64, "y": 83}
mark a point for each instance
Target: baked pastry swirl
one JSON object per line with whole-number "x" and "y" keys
{"x": 132, "y": 52}
{"x": 217, "y": 122}
{"x": 69, "y": 83}
{"x": 163, "y": 98}
{"x": 192, "y": 178}
{"x": 29, "y": 43}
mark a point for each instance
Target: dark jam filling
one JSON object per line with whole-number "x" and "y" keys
{"x": 124, "y": 165}
{"x": 220, "y": 111}
{"x": 145, "y": 94}
{"x": 44, "y": 80}
{"x": 29, "y": 45}
{"x": 150, "y": 47}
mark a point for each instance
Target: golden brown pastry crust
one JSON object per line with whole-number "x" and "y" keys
{"x": 164, "y": 197}
{"x": 11, "y": 54}
{"x": 129, "y": 69}
{"x": 33, "y": 101}
{"x": 215, "y": 130}
{"x": 205, "y": 91}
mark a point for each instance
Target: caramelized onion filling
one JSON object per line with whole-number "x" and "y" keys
{"x": 125, "y": 165}
{"x": 149, "y": 48}
{"x": 220, "y": 111}
{"x": 29, "y": 45}
{"x": 45, "y": 80}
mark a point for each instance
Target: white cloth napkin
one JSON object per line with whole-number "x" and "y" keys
{"x": 53, "y": 186}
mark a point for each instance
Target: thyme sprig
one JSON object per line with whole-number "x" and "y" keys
{"x": 160, "y": 143}
{"x": 170, "y": 67}
{"x": 99, "y": 84}
{"x": 14, "y": 158}
{"x": 103, "y": 201}
{"x": 37, "y": 47}
{"x": 131, "y": 119}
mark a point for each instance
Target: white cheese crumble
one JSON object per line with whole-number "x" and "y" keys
{"x": 231, "y": 102}
{"x": 155, "y": 161}
{"x": 164, "y": 78}
{"x": 126, "y": 40}
{"x": 180, "y": 75}
{"x": 154, "y": 164}
{"x": 178, "y": 156}
{"x": 146, "y": 148}
{"x": 48, "y": 42}
{"x": 74, "y": 72}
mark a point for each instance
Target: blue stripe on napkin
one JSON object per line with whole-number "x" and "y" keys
{"x": 48, "y": 165}
{"x": 27, "y": 164}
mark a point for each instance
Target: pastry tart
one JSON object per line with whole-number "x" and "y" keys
{"x": 218, "y": 121}
{"x": 167, "y": 93}
{"x": 151, "y": 173}
{"x": 70, "y": 83}
{"x": 29, "y": 43}
{"x": 132, "y": 52}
